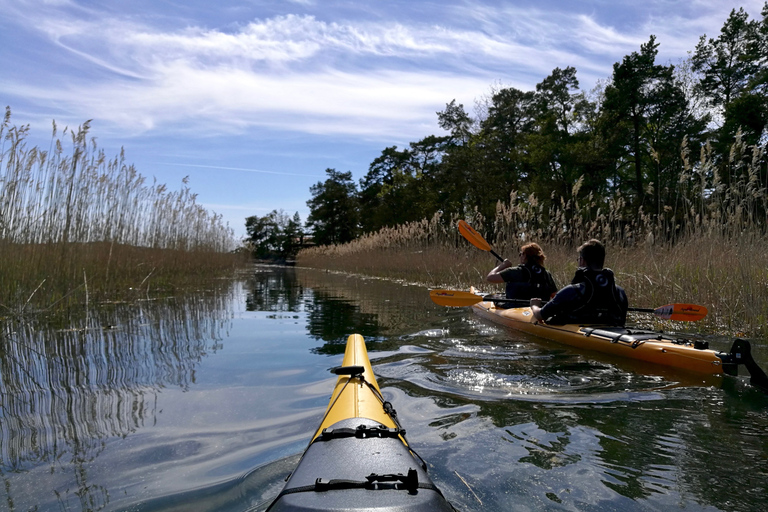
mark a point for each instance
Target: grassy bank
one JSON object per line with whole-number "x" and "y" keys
{"x": 76, "y": 226}
{"x": 709, "y": 248}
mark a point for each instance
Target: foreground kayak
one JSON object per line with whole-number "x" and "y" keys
{"x": 358, "y": 458}
{"x": 639, "y": 344}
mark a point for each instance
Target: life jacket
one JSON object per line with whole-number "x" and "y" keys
{"x": 538, "y": 284}
{"x": 602, "y": 302}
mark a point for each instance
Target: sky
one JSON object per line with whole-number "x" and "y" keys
{"x": 254, "y": 99}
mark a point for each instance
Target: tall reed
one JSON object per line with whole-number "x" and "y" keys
{"x": 72, "y": 218}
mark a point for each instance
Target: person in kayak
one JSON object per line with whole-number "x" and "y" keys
{"x": 527, "y": 280}
{"x": 592, "y": 297}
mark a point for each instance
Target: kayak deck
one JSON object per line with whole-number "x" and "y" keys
{"x": 358, "y": 458}
{"x": 649, "y": 346}
{"x": 639, "y": 344}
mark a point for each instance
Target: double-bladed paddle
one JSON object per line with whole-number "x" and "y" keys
{"x": 454, "y": 298}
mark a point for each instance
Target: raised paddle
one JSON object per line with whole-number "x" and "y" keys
{"x": 679, "y": 312}
{"x": 476, "y": 238}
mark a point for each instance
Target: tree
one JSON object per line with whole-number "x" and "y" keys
{"x": 275, "y": 235}
{"x": 455, "y": 119}
{"x": 333, "y": 215}
{"x": 383, "y": 198}
{"x": 728, "y": 63}
{"x": 641, "y": 93}
{"x": 401, "y": 186}
{"x": 500, "y": 164}
{"x": 732, "y": 77}
{"x": 452, "y": 176}
{"x": 557, "y": 97}
{"x": 561, "y": 146}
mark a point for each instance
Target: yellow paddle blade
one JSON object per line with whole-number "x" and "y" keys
{"x": 473, "y": 236}
{"x": 454, "y": 298}
{"x": 681, "y": 312}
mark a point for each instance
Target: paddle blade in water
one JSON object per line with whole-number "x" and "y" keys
{"x": 681, "y": 312}
{"x": 454, "y": 298}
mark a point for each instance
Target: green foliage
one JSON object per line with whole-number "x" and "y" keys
{"x": 275, "y": 236}
{"x": 333, "y": 209}
{"x": 652, "y": 142}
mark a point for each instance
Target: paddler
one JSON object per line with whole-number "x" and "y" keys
{"x": 527, "y": 280}
{"x": 592, "y": 297}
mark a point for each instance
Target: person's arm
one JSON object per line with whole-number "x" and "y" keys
{"x": 494, "y": 276}
{"x": 563, "y": 299}
{"x": 536, "y": 310}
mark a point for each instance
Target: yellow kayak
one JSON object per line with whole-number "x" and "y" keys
{"x": 359, "y": 458}
{"x": 639, "y": 344}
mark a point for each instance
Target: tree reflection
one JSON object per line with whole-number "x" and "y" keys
{"x": 273, "y": 288}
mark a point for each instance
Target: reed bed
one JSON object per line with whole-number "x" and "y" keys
{"x": 76, "y": 225}
{"x": 708, "y": 248}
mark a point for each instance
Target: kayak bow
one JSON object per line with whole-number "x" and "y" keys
{"x": 358, "y": 458}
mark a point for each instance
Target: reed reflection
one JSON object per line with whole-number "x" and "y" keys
{"x": 65, "y": 392}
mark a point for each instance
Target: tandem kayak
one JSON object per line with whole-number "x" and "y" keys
{"x": 639, "y": 344}
{"x": 359, "y": 458}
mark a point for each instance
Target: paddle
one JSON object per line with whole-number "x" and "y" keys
{"x": 476, "y": 238}
{"x": 679, "y": 312}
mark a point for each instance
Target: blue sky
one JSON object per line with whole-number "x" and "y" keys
{"x": 254, "y": 99}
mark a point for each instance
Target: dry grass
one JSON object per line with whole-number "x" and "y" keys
{"x": 72, "y": 219}
{"x": 708, "y": 248}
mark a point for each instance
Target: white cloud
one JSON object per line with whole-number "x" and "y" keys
{"x": 380, "y": 103}
{"x": 297, "y": 72}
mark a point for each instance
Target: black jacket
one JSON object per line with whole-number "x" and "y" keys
{"x": 592, "y": 298}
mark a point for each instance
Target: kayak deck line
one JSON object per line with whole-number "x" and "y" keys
{"x": 358, "y": 451}
{"x": 639, "y": 344}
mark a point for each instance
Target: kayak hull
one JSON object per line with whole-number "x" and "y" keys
{"x": 642, "y": 345}
{"x": 359, "y": 459}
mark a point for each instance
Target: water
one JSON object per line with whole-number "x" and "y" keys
{"x": 204, "y": 402}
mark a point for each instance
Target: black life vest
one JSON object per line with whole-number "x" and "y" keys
{"x": 602, "y": 303}
{"x": 538, "y": 284}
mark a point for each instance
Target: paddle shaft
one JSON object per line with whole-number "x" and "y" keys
{"x": 527, "y": 302}
{"x": 454, "y": 298}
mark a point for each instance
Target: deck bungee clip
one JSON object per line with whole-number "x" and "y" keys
{"x": 363, "y": 431}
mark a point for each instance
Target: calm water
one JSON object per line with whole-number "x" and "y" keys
{"x": 205, "y": 403}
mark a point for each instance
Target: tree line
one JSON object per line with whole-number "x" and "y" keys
{"x": 659, "y": 136}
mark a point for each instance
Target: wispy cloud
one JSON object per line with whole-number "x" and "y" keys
{"x": 297, "y": 72}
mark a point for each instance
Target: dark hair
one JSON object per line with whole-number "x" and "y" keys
{"x": 533, "y": 253}
{"x": 593, "y": 253}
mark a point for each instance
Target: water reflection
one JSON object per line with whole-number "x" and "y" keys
{"x": 274, "y": 289}
{"x": 577, "y": 429}
{"x": 66, "y": 392}
{"x": 194, "y": 403}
